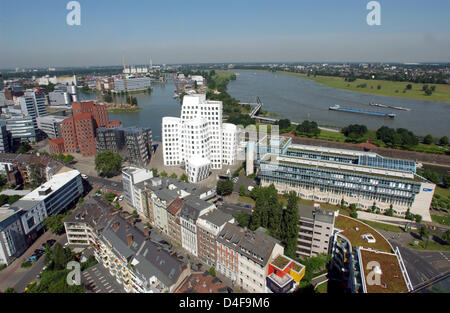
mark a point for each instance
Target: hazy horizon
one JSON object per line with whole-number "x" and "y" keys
{"x": 36, "y": 35}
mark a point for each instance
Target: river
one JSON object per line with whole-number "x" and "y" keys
{"x": 154, "y": 106}
{"x": 298, "y": 99}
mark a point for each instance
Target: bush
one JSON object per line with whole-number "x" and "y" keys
{"x": 212, "y": 272}
{"x": 26, "y": 264}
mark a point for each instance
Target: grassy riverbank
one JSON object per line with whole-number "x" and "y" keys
{"x": 125, "y": 110}
{"x": 387, "y": 88}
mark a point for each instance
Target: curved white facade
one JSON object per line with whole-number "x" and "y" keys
{"x": 199, "y": 133}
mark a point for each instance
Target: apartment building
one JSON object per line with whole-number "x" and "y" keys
{"x": 12, "y": 237}
{"x": 363, "y": 178}
{"x": 208, "y": 227}
{"x": 139, "y": 145}
{"x": 137, "y": 263}
{"x": 51, "y": 125}
{"x": 110, "y": 139}
{"x": 5, "y": 146}
{"x": 131, "y": 176}
{"x": 192, "y": 209}
{"x": 316, "y": 227}
{"x": 33, "y": 103}
{"x": 173, "y": 220}
{"x": 198, "y": 133}
{"x": 244, "y": 256}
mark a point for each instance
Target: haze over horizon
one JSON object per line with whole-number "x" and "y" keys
{"x": 35, "y": 34}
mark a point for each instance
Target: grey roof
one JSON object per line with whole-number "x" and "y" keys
{"x": 165, "y": 194}
{"x": 192, "y": 206}
{"x": 321, "y": 215}
{"x": 94, "y": 211}
{"x": 256, "y": 245}
{"x": 217, "y": 217}
{"x": 165, "y": 182}
{"x": 7, "y": 216}
{"x": 153, "y": 260}
{"x": 24, "y": 204}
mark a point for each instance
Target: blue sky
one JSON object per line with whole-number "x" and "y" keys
{"x": 35, "y": 33}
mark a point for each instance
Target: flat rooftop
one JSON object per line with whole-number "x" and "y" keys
{"x": 57, "y": 181}
{"x": 392, "y": 280}
{"x": 353, "y": 230}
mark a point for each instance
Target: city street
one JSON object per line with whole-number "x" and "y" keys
{"x": 18, "y": 277}
{"x": 421, "y": 265}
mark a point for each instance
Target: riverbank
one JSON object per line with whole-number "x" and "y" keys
{"x": 387, "y": 88}
{"x": 124, "y": 110}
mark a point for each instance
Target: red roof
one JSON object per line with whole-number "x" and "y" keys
{"x": 56, "y": 141}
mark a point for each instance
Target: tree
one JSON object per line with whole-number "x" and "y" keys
{"x": 24, "y": 148}
{"x": 163, "y": 174}
{"x": 431, "y": 176}
{"x": 242, "y": 190}
{"x": 424, "y": 232}
{"x": 243, "y": 218}
{"x": 443, "y": 141}
{"x": 409, "y": 86}
{"x": 68, "y": 158}
{"x": 110, "y": 196}
{"x": 37, "y": 177}
{"x": 308, "y": 128}
{"x": 55, "y": 224}
{"x": 224, "y": 187}
{"x": 108, "y": 163}
{"x": 155, "y": 172}
{"x": 290, "y": 224}
{"x": 10, "y": 290}
{"x": 3, "y": 180}
{"x": 355, "y": 133}
{"x": 428, "y": 140}
{"x": 284, "y": 124}
{"x": 135, "y": 214}
{"x": 80, "y": 200}
{"x": 174, "y": 176}
{"x": 446, "y": 180}
{"x": 418, "y": 218}
{"x": 212, "y": 271}
{"x": 446, "y": 236}
{"x": 390, "y": 212}
{"x": 409, "y": 215}
{"x": 184, "y": 177}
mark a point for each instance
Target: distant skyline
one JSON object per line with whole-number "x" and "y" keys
{"x": 35, "y": 33}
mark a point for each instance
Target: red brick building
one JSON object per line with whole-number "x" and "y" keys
{"x": 56, "y": 145}
{"x": 173, "y": 219}
{"x": 79, "y": 131}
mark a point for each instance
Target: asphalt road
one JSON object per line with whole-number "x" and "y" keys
{"x": 423, "y": 265}
{"x": 31, "y": 274}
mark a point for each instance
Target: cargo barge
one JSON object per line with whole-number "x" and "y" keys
{"x": 381, "y": 114}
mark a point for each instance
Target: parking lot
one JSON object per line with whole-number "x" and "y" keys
{"x": 97, "y": 279}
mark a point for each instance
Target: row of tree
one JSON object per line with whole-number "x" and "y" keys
{"x": 281, "y": 223}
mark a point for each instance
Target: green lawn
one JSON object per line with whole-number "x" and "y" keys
{"x": 432, "y": 245}
{"x": 382, "y": 226}
{"x": 444, "y": 192}
{"x": 443, "y": 220}
{"x": 246, "y": 200}
{"x": 388, "y": 88}
{"x": 322, "y": 288}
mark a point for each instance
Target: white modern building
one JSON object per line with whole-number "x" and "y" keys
{"x": 50, "y": 198}
{"x": 131, "y": 176}
{"x": 132, "y": 83}
{"x": 198, "y": 169}
{"x": 51, "y": 125}
{"x": 33, "y": 103}
{"x": 198, "y": 134}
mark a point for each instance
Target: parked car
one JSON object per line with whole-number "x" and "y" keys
{"x": 51, "y": 242}
{"x": 120, "y": 197}
{"x": 84, "y": 176}
{"x": 32, "y": 259}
